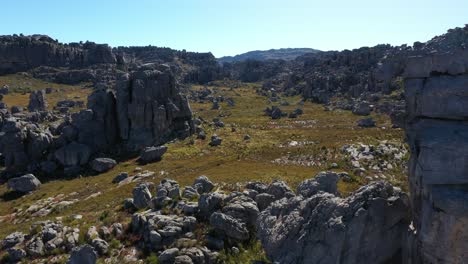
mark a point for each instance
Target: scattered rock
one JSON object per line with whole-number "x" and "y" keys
{"x": 215, "y": 141}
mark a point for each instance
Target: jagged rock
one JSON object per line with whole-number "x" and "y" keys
{"x": 189, "y": 193}
{"x": 279, "y": 189}
{"x": 25, "y": 184}
{"x": 242, "y": 208}
{"x": 260, "y": 187}
{"x": 325, "y": 181}
{"x": 230, "y": 226}
{"x": 366, "y": 122}
{"x": 151, "y": 154}
{"x": 203, "y": 185}
{"x": 84, "y": 254}
{"x": 168, "y": 255}
{"x": 37, "y": 101}
{"x": 264, "y": 200}
{"x": 100, "y": 246}
{"x": 141, "y": 196}
{"x": 209, "y": 203}
{"x": 103, "y": 164}
{"x": 325, "y": 228}
{"x": 168, "y": 188}
{"x": 117, "y": 230}
{"x": 12, "y": 240}
{"x": 35, "y": 247}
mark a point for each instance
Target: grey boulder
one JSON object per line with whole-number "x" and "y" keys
{"x": 152, "y": 154}
{"x": 25, "y": 184}
{"x": 83, "y": 255}
{"x": 103, "y": 164}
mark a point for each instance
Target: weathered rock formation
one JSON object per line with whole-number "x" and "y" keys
{"x": 149, "y": 108}
{"x": 437, "y": 106}
{"x": 146, "y": 110}
{"x": 323, "y": 228}
{"x": 21, "y": 53}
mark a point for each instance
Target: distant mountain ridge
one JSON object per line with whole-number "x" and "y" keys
{"x": 272, "y": 54}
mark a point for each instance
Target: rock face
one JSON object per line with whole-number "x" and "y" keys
{"x": 437, "y": 109}
{"x": 324, "y": 228}
{"x": 24, "y": 184}
{"x": 149, "y": 108}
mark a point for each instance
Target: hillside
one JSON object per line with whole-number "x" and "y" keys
{"x": 272, "y": 54}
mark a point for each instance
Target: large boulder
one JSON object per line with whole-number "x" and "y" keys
{"x": 141, "y": 196}
{"x": 103, "y": 164}
{"x": 83, "y": 255}
{"x": 151, "y": 154}
{"x": 25, "y": 184}
{"x": 324, "y": 228}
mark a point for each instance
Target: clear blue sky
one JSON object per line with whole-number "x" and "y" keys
{"x": 235, "y": 26}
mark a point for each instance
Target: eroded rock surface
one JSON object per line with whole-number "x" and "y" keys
{"x": 437, "y": 108}
{"x": 324, "y": 228}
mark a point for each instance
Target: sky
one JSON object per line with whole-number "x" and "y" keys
{"x": 230, "y": 27}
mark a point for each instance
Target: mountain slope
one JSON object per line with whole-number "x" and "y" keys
{"x": 272, "y": 54}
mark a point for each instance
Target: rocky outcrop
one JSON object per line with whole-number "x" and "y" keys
{"x": 146, "y": 110}
{"x": 150, "y": 110}
{"x": 437, "y": 109}
{"x": 21, "y": 53}
{"x": 323, "y": 228}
